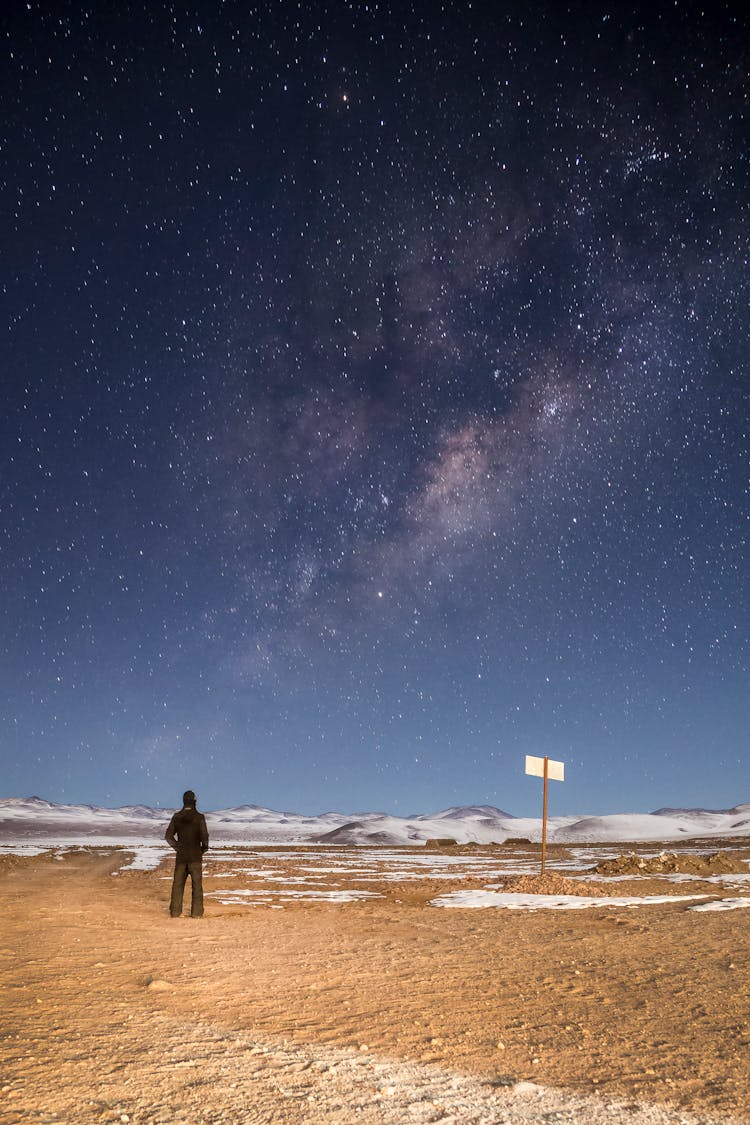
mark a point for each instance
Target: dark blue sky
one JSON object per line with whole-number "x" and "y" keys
{"x": 375, "y": 410}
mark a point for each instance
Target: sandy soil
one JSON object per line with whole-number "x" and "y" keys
{"x": 386, "y": 1010}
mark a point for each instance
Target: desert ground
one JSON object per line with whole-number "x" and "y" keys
{"x": 276, "y": 1006}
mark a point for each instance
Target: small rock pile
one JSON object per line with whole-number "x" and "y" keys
{"x": 551, "y": 884}
{"x": 669, "y": 863}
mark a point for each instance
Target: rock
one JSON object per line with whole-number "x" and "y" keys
{"x": 669, "y": 863}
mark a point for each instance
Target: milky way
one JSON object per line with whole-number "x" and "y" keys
{"x": 376, "y": 404}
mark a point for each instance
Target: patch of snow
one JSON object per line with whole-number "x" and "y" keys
{"x": 723, "y": 904}
{"x": 145, "y": 858}
{"x": 250, "y": 902}
{"x": 311, "y": 896}
{"x": 23, "y": 849}
{"x": 481, "y": 899}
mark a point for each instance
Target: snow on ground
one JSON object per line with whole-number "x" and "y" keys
{"x": 723, "y": 904}
{"x": 511, "y": 901}
{"x": 29, "y": 826}
{"x": 258, "y": 898}
{"x": 142, "y": 855}
{"x": 370, "y": 865}
{"x": 27, "y": 848}
{"x": 275, "y": 875}
{"x": 730, "y": 879}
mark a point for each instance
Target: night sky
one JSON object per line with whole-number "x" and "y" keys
{"x": 375, "y": 404}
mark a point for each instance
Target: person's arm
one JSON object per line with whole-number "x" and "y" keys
{"x": 169, "y": 835}
{"x": 204, "y": 834}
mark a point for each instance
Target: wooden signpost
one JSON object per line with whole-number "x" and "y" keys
{"x": 546, "y": 768}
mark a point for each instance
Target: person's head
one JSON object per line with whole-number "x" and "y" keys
{"x": 188, "y": 799}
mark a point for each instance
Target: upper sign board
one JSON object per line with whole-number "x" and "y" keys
{"x": 555, "y": 770}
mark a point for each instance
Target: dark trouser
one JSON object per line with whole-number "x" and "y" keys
{"x": 181, "y": 872}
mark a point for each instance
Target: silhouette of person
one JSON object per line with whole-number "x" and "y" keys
{"x": 188, "y": 835}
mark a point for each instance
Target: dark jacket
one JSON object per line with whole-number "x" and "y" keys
{"x": 188, "y": 835}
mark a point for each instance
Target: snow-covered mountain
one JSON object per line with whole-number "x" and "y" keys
{"x": 33, "y": 817}
{"x": 488, "y": 812}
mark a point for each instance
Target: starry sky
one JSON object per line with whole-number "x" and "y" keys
{"x": 376, "y": 401}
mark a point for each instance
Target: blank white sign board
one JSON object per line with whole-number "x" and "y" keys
{"x": 555, "y": 770}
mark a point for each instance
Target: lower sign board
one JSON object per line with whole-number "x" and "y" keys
{"x": 555, "y": 770}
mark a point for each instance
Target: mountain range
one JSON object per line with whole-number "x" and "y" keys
{"x": 34, "y": 817}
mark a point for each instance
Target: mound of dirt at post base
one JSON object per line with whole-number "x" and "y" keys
{"x": 669, "y": 863}
{"x": 553, "y": 884}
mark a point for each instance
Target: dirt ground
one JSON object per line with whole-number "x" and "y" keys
{"x": 318, "y": 1012}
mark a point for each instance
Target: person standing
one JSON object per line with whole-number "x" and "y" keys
{"x": 188, "y": 835}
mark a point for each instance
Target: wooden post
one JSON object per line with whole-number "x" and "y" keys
{"x": 544, "y": 812}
